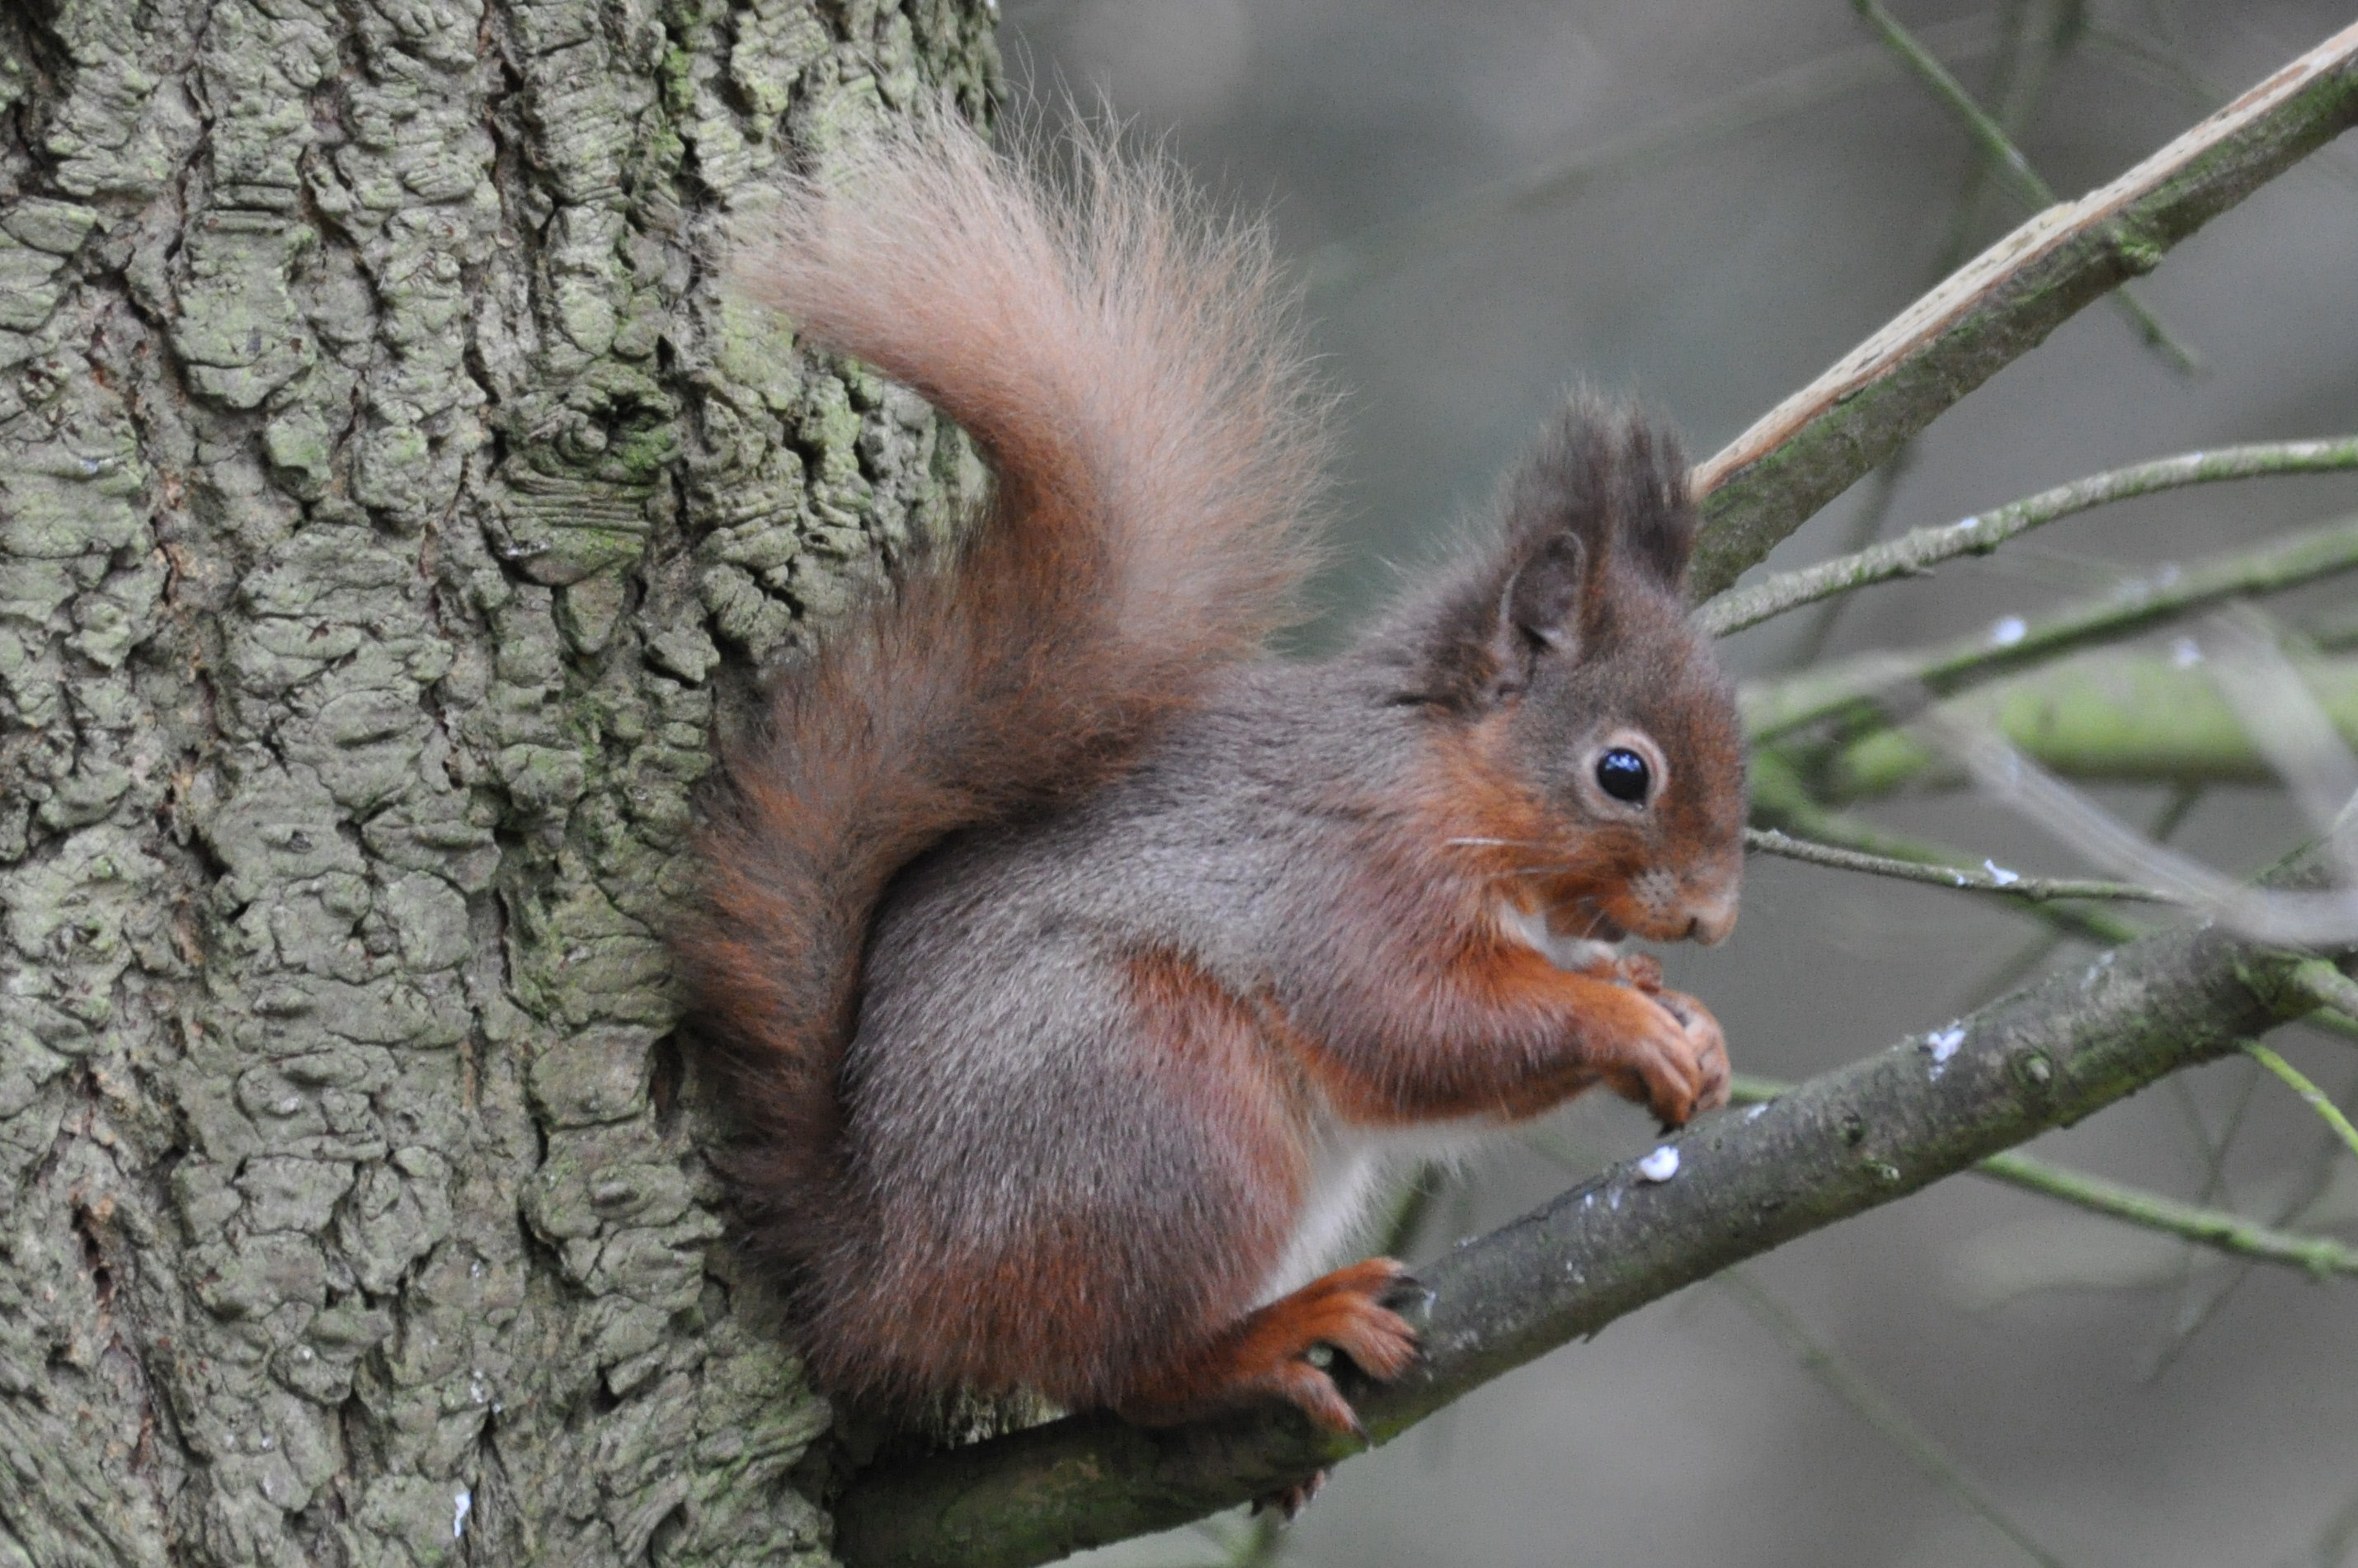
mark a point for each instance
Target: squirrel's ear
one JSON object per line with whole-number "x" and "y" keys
{"x": 1539, "y": 611}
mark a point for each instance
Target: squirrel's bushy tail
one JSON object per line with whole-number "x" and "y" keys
{"x": 1126, "y": 367}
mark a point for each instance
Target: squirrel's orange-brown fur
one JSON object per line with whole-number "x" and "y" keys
{"x": 1067, "y": 962}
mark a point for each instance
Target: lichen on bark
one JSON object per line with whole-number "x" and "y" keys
{"x": 391, "y": 505}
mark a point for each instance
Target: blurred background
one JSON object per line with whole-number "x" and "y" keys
{"x": 1703, "y": 202}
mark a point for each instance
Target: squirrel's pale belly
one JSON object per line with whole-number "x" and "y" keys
{"x": 1350, "y": 1163}
{"x": 1349, "y": 1168}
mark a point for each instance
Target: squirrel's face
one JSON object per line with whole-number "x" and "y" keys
{"x": 1594, "y": 752}
{"x": 1633, "y": 743}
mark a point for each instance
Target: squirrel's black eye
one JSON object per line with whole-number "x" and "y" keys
{"x": 1624, "y": 775}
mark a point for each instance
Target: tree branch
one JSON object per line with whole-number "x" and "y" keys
{"x": 2316, "y": 1098}
{"x": 2215, "y": 1228}
{"x": 2326, "y": 987}
{"x": 1814, "y": 445}
{"x": 1744, "y": 1182}
{"x": 2036, "y": 34}
{"x": 1915, "y": 553}
{"x": 2221, "y": 1230}
{"x": 1848, "y": 1140}
{"x": 1781, "y": 800}
{"x": 1883, "y": 1413}
{"x": 2000, "y": 153}
{"x": 1991, "y": 879}
{"x": 1356, "y": 258}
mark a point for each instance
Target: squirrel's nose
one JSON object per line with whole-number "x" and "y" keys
{"x": 1710, "y": 920}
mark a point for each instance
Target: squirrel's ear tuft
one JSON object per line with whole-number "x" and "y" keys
{"x": 1614, "y": 480}
{"x": 1652, "y": 511}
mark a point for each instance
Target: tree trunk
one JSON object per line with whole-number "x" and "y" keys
{"x": 389, "y": 499}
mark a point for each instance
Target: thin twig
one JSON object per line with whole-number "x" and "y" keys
{"x": 1883, "y": 488}
{"x": 2327, "y": 918}
{"x": 2321, "y": 1166}
{"x": 1992, "y": 878}
{"x": 1853, "y": 689}
{"x": 2215, "y": 1146}
{"x": 2338, "y": 1024}
{"x": 2213, "y": 1189}
{"x": 1843, "y": 1381}
{"x": 2218, "y": 1229}
{"x": 2036, "y": 951}
{"x": 1880, "y": 1412}
{"x": 2337, "y": 1542}
{"x": 1780, "y": 801}
{"x": 2000, "y": 154}
{"x": 2326, "y": 986}
{"x": 2133, "y": 57}
{"x": 1913, "y": 554}
{"x": 2318, "y": 1099}
{"x": 2034, "y": 36}
{"x": 2287, "y": 723}
{"x": 2114, "y": 716}
{"x": 2021, "y": 75}
{"x": 1356, "y": 259}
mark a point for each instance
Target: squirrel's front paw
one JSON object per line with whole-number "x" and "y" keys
{"x": 1677, "y": 1064}
{"x": 1705, "y": 1048}
{"x": 1639, "y": 971}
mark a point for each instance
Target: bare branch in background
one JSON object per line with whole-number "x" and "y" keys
{"x": 2218, "y": 1229}
{"x": 2117, "y": 715}
{"x": 1817, "y": 443}
{"x": 2316, "y": 1098}
{"x": 1855, "y": 688}
{"x": 1357, "y": 258}
{"x": 1882, "y": 1412}
{"x": 2289, "y": 726}
{"x": 2316, "y": 1186}
{"x": 1992, "y": 878}
{"x": 1780, "y": 800}
{"x": 2025, "y": 960}
{"x": 2001, "y": 155}
{"x": 2033, "y": 37}
{"x": 2215, "y": 1228}
{"x": 2164, "y": 65}
{"x": 2326, "y": 987}
{"x": 2286, "y": 725}
{"x": 1915, "y": 553}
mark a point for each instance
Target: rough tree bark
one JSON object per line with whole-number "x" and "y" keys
{"x": 388, "y": 501}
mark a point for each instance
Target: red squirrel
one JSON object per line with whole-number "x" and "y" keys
{"x": 1070, "y": 962}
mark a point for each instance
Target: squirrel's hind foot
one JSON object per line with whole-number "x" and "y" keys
{"x": 1284, "y": 1351}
